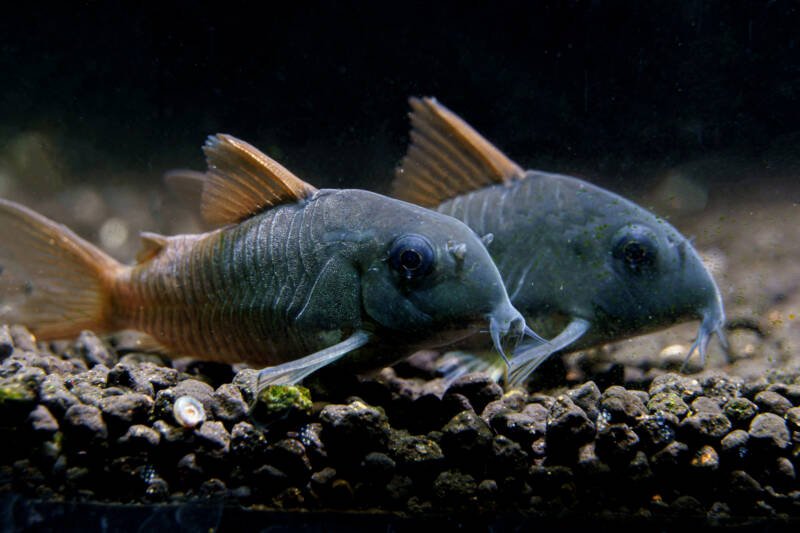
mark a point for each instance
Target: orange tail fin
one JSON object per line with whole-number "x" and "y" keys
{"x": 51, "y": 280}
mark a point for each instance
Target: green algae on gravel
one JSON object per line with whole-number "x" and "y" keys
{"x": 15, "y": 391}
{"x": 278, "y": 402}
{"x": 668, "y": 402}
{"x": 18, "y": 395}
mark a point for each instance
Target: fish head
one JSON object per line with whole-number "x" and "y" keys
{"x": 653, "y": 277}
{"x": 430, "y": 276}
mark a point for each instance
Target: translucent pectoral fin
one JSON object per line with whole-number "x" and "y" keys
{"x": 294, "y": 371}
{"x": 529, "y": 356}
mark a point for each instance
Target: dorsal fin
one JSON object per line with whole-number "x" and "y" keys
{"x": 241, "y": 181}
{"x": 152, "y": 244}
{"x": 187, "y": 185}
{"x": 447, "y": 158}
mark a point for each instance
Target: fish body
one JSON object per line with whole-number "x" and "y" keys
{"x": 583, "y": 264}
{"x": 280, "y": 284}
{"x": 293, "y": 278}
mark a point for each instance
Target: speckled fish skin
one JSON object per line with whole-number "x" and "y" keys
{"x": 294, "y": 278}
{"x": 581, "y": 263}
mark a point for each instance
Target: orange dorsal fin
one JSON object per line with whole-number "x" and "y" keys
{"x": 447, "y": 158}
{"x": 187, "y": 185}
{"x": 241, "y": 181}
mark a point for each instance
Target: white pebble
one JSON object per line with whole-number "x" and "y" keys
{"x": 188, "y": 412}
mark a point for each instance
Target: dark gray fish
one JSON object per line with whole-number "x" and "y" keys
{"x": 290, "y": 271}
{"x": 580, "y": 262}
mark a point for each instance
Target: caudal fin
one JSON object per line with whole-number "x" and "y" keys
{"x": 51, "y": 280}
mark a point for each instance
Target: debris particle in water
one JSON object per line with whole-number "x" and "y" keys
{"x": 113, "y": 233}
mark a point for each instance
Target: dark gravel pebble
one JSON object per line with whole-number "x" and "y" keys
{"x": 616, "y": 443}
{"x": 567, "y": 425}
{"x": 686, "y": 387}
{"x": 793, "y": 418}
{"x": 146, "y": 378}
{"x": 466, "y": 435}
{"x": 354, "y": 429}
{"x": 141, "y": 438}
{"x": 479, "y": 389}
{"x": 415, "y": 453}
{"x": 709, "y": 446}
{"x": 93, "y": 351}
{"x": 790, "y": 391}
{"x": 735, "y": 445}
{"x": 587, "y": 397}
{"x": 705, "y": 426}
{"x": 378, "y": 467}
{"x": 55, "y": 396}
{"x": 740, "y": 411}
{"x": 6, "y": 342}
{"x": 706, "y": 404}
{"x": 248, "y": 444}
{"x": 706, "y": 458}
{"x": 214, "y": 435}
{"x": 42, "y": 420}
{"x": 772, "y": 402}
{"x": 228, "y": 405}
{"x": 525, "y": 427}
{"x": 722, "y": 387}
{"x": 621, "y": 405}
{"x": 169, "y": 434}
{"x": 672, "y": 455}
{"x": 743, "y": 487}
{"x": 23, "y": 339}
{"x": 289, "y": 456}
{"x": 452, "y": 487}
{"x": 769, "y": 430}
{"x": 657, "y": 430}
{"x": 199, "y": 390}
{"x": 668, "y": 402}
{"x": 84, "y": 424}
{"x": 126, "y": 409}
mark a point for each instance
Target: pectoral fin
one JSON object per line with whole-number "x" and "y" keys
{"x": 294, "y": 371}
{"x": 528, "y": 357}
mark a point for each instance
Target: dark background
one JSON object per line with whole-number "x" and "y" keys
{"x": 611, "y": 90}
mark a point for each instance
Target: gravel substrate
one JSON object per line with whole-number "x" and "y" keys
{"x": 82, "y": 422}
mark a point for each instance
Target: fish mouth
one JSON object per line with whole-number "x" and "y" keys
{"x": 713, "y": 322}
{"x": 508, "y": 332}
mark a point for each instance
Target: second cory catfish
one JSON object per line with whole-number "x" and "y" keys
{"x": 294, "y": 278}
{"x": 581, "y": 262}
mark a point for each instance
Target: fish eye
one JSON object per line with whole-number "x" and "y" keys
{"x": 635, "y": 247}
{"x": 412, "y": 256}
